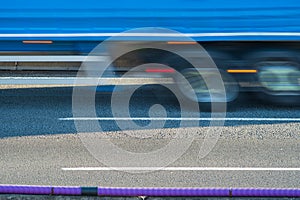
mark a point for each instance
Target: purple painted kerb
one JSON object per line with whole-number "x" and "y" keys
{"x": 267, "y": 192}
{"x": 110, "y": 191}
{"x": 114, "y": 191}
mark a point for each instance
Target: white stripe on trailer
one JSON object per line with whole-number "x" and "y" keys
{"x": 231, "y": 34}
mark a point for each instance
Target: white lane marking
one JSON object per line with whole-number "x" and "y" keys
{"x": 173, "y": 119}
{"x": 233, "y": 34}
{"x": 181, "y": 169}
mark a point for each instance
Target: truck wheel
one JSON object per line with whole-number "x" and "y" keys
{"x": 278, "y": 75}
{"x": 194, "y": 88}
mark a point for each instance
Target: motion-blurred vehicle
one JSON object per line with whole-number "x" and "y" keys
{"x": 255, "y": 46}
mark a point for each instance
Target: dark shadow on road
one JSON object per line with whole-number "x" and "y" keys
{"x": 27, "y": 112}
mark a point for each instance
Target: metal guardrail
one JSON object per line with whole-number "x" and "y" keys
{"x": 51, "y": 58}
{"x": 47, "y": 62}
{"x": 67, "y": 81}
{"x": 76, "y": 81}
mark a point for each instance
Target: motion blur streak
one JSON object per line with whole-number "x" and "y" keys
{"x": 37, "y": 42}
{"x": 242, "y": 71}
{"x": 160, "y": 70}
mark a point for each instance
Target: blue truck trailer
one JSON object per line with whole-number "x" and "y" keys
{"x": 255, "y": 45}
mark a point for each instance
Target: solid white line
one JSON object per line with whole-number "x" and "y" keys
{"x": 173, "y": 119}
{"x": 181, "y": 169}
{"x": 233, "y": 34}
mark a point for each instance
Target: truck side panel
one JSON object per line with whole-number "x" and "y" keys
{"x": 203, "y": 20}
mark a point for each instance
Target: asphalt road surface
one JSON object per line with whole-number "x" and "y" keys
{"x": 258, "y": 145}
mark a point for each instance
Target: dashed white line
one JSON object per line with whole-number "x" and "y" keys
{"x": 180, "y": 169}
